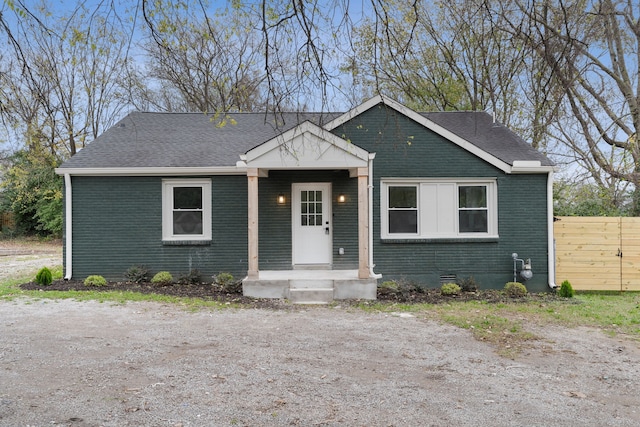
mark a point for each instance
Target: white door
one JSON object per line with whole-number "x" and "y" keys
{"x": 311, "y": 223}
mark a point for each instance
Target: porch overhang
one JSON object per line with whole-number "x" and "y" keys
{"x": 309, "y": 147}
{"x": 306, "y": 146}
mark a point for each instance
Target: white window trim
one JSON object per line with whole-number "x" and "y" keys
{"x": 492, "y": 208}
{"x": 167, "y": 209}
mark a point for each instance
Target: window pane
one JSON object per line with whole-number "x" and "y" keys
{"x": 187, "y": 197}
{"x": 187, "y": 222}
{"x": 318, "y": 196}
{"x": 473, "y": 221}
{"x": 472, "y": 196}
{"x": 403, "y": 197}
{"x": 403, "y": 222}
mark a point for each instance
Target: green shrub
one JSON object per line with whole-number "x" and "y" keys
{"x": 137, "y": 274}
{"x": 468, "y": 284}
{"x": 193, "y": 277}
{"x": 44, "y": 277}
{"x": 227, "y": 283}
{"x": 95, "y": 280}
{"x": 162, "y": 278}
{"x": 450, "y": 289}
{"x": 515, "y": 289}
{"x": 566, "y": 290}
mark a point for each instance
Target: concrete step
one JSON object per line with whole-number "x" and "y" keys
{"x": 311, "y": 283}
{"x": 311, "y": 295}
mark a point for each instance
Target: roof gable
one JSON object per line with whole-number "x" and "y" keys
{"x": 306, "y": 146}
{"x": 475, "y": 132}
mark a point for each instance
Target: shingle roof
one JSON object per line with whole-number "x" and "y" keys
{"x": 480, "y": 129}
{"x": 182, "y": 139}
{"x": 143, "y": 140}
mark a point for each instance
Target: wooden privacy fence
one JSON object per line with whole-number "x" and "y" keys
{"x": 598, "y": 253}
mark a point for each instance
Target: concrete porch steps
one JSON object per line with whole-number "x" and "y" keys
{"x": 310, "y": 286}
{"x": 311, "y": 295}
{"x": 310, "y": 291}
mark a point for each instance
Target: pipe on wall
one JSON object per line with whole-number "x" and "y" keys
{"x": 370, "y": 178}
{"x": 68, "y": 226}
{"x": 551, "y": 245}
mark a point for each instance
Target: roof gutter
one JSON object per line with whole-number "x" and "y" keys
{"x": 529, "y": 166}
{"x": 239, "y": 169}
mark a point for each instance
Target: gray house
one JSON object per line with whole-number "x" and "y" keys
{"x": 312, "y": 207}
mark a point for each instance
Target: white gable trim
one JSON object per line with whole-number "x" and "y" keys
{"x": 239, "y": 169}
{"x": 445, "y": 133}
{"x": 306, "y": 146}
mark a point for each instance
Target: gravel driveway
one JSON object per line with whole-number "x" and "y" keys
{"x": 67, "y": 363}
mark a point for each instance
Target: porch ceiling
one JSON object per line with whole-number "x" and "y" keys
{"x": 306, "y": 146}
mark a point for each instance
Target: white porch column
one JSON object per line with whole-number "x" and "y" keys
{"x": 363, "y": 223}
{"x": 252, "y": 217}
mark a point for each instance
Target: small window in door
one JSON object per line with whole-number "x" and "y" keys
{"x": 310, "y": 208}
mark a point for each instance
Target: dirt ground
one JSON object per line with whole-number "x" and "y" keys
{"x": 68, "y": 363}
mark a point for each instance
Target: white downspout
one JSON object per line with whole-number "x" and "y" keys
{"x": 68, "y": 225}
{"x": 370, "y": 185}
{"x": 551, "y": 241}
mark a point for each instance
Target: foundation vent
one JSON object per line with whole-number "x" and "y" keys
{"x": 448, "y": 278}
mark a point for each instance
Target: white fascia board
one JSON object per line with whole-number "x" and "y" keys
{"x": 408, "y": 112}
{"x": 153, "y": 171}
{"x": 530, "y": 167}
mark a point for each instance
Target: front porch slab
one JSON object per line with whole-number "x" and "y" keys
{"x": 310, "y": 286}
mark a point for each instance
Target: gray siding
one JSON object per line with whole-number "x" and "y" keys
{"x": 117, "y": 223}
{"x": 405, "y": 149}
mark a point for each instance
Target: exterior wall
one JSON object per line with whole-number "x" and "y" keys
{"x": 117, "y": 220}
{"x": 405, "y": 149}
{"x": 275, "y": 220}
{"x": 117, "y": 223}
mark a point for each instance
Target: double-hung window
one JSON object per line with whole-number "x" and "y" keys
{"x": 438, "y": 208}
{"x": 186, "y": 209}
{"x": 403, "y": 209}
{"x": 473, "y": 211}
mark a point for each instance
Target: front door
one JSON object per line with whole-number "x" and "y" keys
{"x": 311, "y": 223}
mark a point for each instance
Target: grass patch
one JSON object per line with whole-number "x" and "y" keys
{"x": 10, "y": 290}
{"x": 612, "y": 312}
{"x": 505, "y": 325}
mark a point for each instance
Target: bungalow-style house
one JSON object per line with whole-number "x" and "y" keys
{"x": 312, "y": 207}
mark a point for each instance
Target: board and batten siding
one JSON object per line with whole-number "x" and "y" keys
{"x": 117, "y": 224}
{"x": 598, "y": 253}
{"x": 406, "y": 149}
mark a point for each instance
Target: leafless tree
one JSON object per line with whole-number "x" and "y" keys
{"x": 60, "y": 88}
{"x": 213, "y": 63}
{"x": 591, "y": 50}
